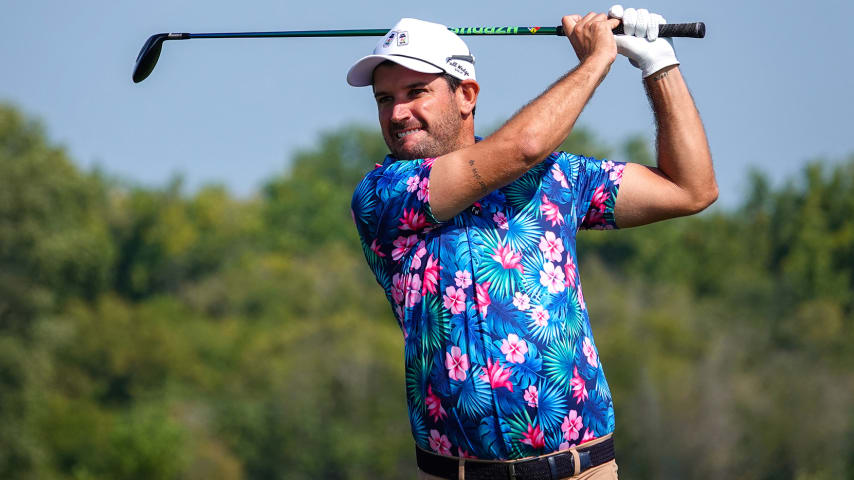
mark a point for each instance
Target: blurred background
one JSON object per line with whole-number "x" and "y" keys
{"x": 183, "y": 295}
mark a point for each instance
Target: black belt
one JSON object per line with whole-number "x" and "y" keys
{"x": 551, "y": 467}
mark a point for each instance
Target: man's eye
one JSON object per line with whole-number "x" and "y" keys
{"x": 384, "y": 99}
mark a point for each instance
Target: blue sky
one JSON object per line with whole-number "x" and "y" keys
{"x": 772, "y": 81}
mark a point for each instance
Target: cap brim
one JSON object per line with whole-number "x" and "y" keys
{"x": 361, "y": 74}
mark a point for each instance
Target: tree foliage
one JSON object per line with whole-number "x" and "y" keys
{"x": 154, "y": 334}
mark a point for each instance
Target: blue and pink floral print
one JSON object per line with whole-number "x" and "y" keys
{"x": 500, "y": 359}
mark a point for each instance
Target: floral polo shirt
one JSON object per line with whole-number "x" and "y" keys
{"x": 500, "y": 358}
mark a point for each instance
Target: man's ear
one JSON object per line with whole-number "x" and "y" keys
{"x": 467, "y": 96}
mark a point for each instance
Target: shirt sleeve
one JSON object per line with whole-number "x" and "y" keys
{"x": 597, "y": 184}
{"x": 391, "y": 208}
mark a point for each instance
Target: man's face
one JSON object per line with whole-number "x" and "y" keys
{"x": 419, "y": 114}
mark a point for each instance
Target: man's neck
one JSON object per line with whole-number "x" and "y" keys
{"x": 466, "y": 140}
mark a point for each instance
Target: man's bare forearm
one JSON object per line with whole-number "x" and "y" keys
{"x": 464, "y": 176}
{"x": 683, "y": 150}
{"x": 545, "y": 122}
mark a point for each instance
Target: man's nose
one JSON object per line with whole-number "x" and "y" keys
{"x": 400, "y": 111}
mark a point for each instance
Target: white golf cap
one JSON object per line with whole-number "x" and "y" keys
{"x": 417, "y": 45}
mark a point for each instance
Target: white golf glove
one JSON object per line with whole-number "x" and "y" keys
{"x": 641, "y": 43}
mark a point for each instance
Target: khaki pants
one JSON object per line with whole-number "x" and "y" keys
{"x": 606, "y": 471}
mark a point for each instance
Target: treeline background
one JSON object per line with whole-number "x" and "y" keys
{"x": 148, "y": 333}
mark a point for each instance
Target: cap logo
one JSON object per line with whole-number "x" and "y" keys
{"x": 402, "y": 39}
{"x": 390, "y": 38}
{"x": 456, "y": 66}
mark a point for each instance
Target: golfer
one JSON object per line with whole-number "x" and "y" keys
{"x": 473, "y": 242}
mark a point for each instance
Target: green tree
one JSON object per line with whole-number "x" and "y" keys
{"x": 54, "y": 246}
{"x": 54, "y": 242}
{"x": 308, "y": 207}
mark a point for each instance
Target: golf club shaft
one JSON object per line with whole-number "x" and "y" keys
{"x": 150, "y": 52}
{"x": 695, "y": 30}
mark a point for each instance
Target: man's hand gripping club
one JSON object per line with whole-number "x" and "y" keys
{"x": 641, "y": 44}
{"x": 591, "y": 37}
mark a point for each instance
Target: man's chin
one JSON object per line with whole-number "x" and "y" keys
{"x": 406, "y": 153}
{"x": 417, "y": 151}
{"x": 403, "y": 150}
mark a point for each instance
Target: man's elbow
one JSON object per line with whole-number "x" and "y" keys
{"x": 531, "y": 149}
{"x": 702, "y": 199}
{"x": 520, "y": 145}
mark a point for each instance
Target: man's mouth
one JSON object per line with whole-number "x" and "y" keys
{"x": 407, "y": 132}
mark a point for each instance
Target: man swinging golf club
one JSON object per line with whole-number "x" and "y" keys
{"x": 473, "y": 242}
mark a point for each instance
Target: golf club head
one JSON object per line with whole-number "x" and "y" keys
{"x": 148, "y": 56}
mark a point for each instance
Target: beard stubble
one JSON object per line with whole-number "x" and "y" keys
{"x": 442, "y": 136}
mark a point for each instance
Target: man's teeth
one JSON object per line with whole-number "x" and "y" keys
{"x": 407, "y": 132}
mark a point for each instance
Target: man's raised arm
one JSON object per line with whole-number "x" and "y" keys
{"x": 462, "y": 177}
{"x": 683, "y": 183}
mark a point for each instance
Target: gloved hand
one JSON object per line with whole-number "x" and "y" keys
{"x": 641, "y": 43}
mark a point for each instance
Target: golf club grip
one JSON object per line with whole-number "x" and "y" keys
{"x": 692, "y": 30}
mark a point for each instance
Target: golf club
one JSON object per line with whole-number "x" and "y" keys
{"x": 150, "y": 52}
